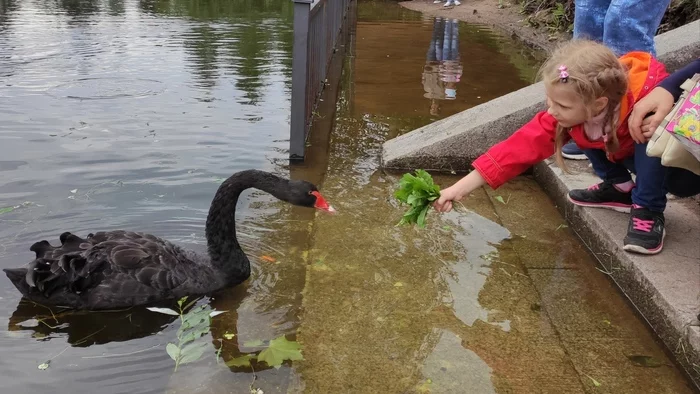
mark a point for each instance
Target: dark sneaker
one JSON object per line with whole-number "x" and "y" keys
{"x": 645, "y": 232}
{"x": 571, "y": 151}
{"x": 602, "y": 195}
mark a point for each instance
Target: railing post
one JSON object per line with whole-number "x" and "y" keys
{"x": 300, "y": 73}
{"x": 317, "y": 24}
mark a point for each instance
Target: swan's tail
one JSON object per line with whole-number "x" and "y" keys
{"x": 55, "y": 272}
{"x": 18, "y": 277}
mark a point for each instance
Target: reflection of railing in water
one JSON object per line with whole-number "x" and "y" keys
{"x": 317, "y": 25}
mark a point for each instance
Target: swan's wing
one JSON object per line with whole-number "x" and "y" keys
{"x": 129, "y": 261}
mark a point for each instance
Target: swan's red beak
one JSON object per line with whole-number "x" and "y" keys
{"x": 321, "y": 203}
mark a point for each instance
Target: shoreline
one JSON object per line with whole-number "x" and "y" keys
{"x": 506, "y": 19}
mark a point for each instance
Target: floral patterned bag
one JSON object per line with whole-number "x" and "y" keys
{"x": 677, "y": 139}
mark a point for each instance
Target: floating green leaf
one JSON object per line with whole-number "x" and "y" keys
{"x": 242, "y": 361}
{"x": 44, "y": 366}
{"x": 193, "y": 334}
{"x": 196, "y": 316}
{"x": 645, "y": 361}
{"x": 419, "y": 192}
{"x": 281, "y": 349}
{"x": 166, "y": 311}
{"x": 192, "y": 352}
{"x": 595, "y": 382}
{"x": 173, "y": 351}
{"x": 6, "y": 210}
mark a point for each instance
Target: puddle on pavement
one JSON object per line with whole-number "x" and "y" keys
{"x": 497, "y": 297}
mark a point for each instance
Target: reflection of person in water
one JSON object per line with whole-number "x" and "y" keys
{"x": 443, "y": 69}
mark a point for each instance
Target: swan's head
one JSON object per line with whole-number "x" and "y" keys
{"x": 306, "y": 194}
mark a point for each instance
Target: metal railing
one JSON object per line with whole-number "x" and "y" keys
{"x": 317, "y": 25}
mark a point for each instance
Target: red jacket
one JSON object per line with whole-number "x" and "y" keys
{"x": 534, "y": 141}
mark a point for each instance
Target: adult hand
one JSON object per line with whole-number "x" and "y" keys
{"x": 641, "y": 127}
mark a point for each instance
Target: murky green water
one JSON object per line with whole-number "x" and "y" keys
{"x": 126, "y": 114}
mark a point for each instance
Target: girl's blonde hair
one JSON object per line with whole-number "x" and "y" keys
{"x": 593, "y": 72}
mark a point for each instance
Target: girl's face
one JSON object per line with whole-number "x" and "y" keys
{"x": 565, "y": 105}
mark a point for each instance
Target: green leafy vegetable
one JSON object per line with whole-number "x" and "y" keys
{"x": 419, "y": 192}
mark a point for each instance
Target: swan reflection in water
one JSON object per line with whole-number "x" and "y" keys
{"x": 87, "y": 328}
{"x": 443, "y": 68}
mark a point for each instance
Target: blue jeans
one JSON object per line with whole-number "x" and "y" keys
{"x": 622, "y": 25}
{"x": 653, "y": 179}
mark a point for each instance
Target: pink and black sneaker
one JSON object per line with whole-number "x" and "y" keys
{"x": 645, "y": 232}
{"x": 602, "y": 195}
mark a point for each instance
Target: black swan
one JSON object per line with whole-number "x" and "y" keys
{"x": 118, "y": 269}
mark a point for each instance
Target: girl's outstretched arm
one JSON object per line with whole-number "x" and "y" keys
{"x": 531, "y": 144}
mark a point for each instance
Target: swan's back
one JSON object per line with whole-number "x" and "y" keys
{"x": 111, "y": 270}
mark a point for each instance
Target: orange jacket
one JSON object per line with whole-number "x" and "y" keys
{"x": 534, "y": 141}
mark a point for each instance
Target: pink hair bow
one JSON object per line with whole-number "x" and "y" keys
{"x": 563, "y": 73}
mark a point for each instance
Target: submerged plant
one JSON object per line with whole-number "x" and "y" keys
{"x": 193, "y": 325}
{"x": 419, "y": 192}
{"x": 196, "y": 323}
{"x": 274, "y": 355}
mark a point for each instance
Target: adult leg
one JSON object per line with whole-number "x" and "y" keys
{"x": 589, "y": 18}
{"x": 630, "y": 25}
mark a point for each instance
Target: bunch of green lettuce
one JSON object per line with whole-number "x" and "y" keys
{"x": 419, "y": 192}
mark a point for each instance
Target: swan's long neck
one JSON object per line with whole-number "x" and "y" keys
{"x": 224, "y": 251}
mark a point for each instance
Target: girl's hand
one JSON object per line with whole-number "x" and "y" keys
{"x": 457, "y": 191}
{"x": 444, "y": 203}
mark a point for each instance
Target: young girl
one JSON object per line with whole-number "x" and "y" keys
{"x": 590, "y": 93}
